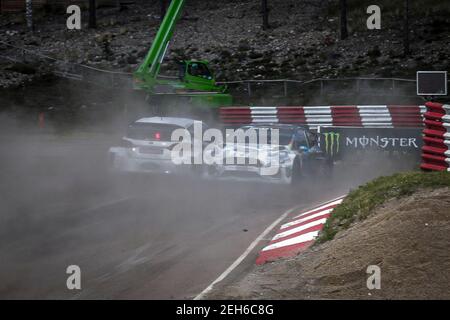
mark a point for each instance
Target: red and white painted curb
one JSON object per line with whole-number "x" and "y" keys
{"x": 314, "y": 116}
{"x": 298, "y": 234}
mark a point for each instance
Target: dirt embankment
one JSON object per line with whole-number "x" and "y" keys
{"x": 407, "y": 237}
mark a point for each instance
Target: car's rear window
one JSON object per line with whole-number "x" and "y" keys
{"x": 151, "y": 131}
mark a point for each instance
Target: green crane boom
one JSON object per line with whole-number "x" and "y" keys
{"x": 195, "y": 82}
{"x": 149, "y": 68}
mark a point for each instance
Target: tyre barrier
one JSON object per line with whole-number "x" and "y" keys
{"x": 314, "y": 116}
{"x": 436, "y": 149}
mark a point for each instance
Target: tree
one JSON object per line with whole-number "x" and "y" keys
{"x": 265, "y": 14}
{"x": 92, "y": 14}
{"x": 163, "y": 6}
{"x": 29, "y": 14}
{"x": 343, "y": 19}
{"x": 406, "y": 28}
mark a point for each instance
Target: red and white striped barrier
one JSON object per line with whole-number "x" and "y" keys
{"x": 314, "y": 116}
{"x": 436, "y": 149}
{"x": 298, "y": 234}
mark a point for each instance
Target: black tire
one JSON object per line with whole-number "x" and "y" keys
{"x": 296, "y": 173}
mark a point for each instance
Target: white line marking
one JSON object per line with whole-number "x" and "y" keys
{"x": 315, "y": 215}
{"x": 300, "y": 228}
{"x": 245, "y": 254}
{"x": 319, "y": 209}
{"x": 317, "y": 110}
{"x": 333, "y": 202}
{"x": 296, "y": 240}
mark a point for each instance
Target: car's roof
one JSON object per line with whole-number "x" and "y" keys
{"x": 275, "y": 126}
{"x": 182, "y": 122}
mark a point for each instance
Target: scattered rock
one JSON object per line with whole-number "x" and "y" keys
{"x": 374, "y": 52}
{"x": 132, "y": 60}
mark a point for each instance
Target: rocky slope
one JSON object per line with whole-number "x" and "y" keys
{"x": 302, "y": 43}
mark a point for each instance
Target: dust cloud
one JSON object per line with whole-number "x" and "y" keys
{"x": 60, "y": 205}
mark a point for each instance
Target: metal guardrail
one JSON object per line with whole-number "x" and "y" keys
{"x": 393, "y": 86}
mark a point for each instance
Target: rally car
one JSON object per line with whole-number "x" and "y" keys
{"x": 295, "y": 157}
{"x": 147, "y": 146}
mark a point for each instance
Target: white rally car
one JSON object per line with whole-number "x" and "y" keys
{"x": 147, "y": 145}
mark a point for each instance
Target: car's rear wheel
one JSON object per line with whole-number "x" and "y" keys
{"x": 296, "y": 172}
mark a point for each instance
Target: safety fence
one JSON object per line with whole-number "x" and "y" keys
{"x": 69, "y": 70}
{"x": 279, "y": 88}
{"x": 435, "y": 152}
{"x": 250, "y": 88}
{"x": 315, "y": 116}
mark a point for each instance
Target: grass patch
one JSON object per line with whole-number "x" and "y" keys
{"x": 359, "y": 203}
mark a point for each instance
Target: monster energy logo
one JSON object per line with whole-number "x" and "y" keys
{"x": 332, "y": 142}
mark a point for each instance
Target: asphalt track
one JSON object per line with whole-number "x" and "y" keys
{"x": 147, "y": 237}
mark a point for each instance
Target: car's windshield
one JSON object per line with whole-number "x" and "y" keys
{"x": 284, "y": 134}
{"x": 151, "y": 131}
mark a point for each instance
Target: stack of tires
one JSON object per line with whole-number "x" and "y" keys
{"x": 436, "y": 149}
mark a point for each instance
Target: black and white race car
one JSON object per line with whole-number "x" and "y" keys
{"x": 295, "y": 157}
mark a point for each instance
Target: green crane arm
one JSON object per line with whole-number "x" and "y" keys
{"x": 149, "y": 69}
